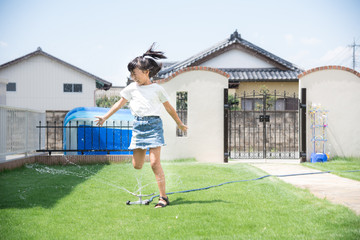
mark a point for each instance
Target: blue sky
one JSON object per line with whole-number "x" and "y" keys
{"x": 101, "y": 37}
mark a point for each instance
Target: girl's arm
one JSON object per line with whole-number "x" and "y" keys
{"x": 119, "y": 104}
{"x": 174, "y": 115}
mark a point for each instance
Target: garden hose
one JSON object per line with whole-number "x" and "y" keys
{"x": 148, "y": 201}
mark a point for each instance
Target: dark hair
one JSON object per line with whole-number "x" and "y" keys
{"x": 147, "y": 62}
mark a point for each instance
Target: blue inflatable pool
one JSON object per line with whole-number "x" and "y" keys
{"x": 82, "y": 136}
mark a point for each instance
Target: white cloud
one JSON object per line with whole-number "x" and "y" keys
{"x": 3, "y": 44}
{"x": 310, "y": 41}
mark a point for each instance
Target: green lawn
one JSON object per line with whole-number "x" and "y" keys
{"x": 338, "y": 165}
{"x": 88, "y": 203}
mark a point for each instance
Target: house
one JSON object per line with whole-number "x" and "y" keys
{"x": 42, "y": 82}
{"x": 249, "y": 66}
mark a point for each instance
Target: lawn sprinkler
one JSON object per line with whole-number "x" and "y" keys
{"x": 141, "y": 202}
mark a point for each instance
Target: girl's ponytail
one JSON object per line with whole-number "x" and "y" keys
{"x": 147, "y": 61}
{"x": 154, "y": 54}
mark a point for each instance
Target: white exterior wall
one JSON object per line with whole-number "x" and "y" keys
{"x": 338, "y": 92}
{"x": 39, "y": 85}
{"x": 3, "y": 83}
{"x": 205, "y": 137}
{"x": 235, "y": 58}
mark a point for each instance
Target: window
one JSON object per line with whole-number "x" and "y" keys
{"x": 250, "y": 104}
{"x": 77, "y": 87}
{"x": 11, "y": 87}
{"x": 285, "y": 104}
{"x": 281, "y": 104}
{"x": 181, "y": 110}
{"x": 68, "y": 87}
{"x": 291, "y": 104}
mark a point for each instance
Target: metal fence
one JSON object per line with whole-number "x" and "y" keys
{"x": 18, "y": 133}
{"x": 85, "y": 137}
{"x": 182, "y": 111}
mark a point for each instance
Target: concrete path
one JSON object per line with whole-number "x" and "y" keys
{"x": 336, "y": 189}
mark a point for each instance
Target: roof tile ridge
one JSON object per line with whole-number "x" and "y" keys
{"x": 185, "y": 63}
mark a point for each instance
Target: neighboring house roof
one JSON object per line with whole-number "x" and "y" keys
{"x": 103, "y": 84}
{"x": 284, "y": 70}
{"x": 259, "y": 74}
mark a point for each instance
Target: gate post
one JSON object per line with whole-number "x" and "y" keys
{"x": 226, "y": 125}
{"x": 264, "y": 124}
{"x": 303, "y": 125}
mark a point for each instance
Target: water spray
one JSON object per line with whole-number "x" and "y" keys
{"x": 142, "y": 201}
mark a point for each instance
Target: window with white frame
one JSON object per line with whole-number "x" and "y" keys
{"x": 72, "y": 87}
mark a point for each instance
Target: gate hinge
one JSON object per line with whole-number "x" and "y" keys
{"x": 302, "y": 154}
{"x": 226, "y": 106}
{"x": 302, "y": 105}
{"x": 226, "y": 154}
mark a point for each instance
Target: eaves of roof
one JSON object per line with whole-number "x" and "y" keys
{"x": 106, "y": 85}
{"x": 261, "y": 74}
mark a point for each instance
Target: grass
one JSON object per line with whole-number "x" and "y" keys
{"x": 339, "y": 164}
{"x": 87, "y": 202}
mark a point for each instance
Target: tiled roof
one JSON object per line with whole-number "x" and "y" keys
{"x": 235, "y": 39}
{"x": 105, "y": 84}
{"x": 266, "y": 74}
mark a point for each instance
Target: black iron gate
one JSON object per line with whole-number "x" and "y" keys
{"x": 262, "y": 125}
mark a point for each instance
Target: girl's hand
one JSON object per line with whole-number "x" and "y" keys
{"x": 100, "y": 121}
{"x": 183, "y": 127}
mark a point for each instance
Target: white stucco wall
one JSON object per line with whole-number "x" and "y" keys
{"x": 205, "y": 137}
{"x": 338, "y": 92}
{"x": 236, "y": 58}
{"x": 39, "y": 85}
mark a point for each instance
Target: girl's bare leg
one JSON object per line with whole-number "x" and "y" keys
{"x": 138, "y": 158}
{"x": 158, "y": 171}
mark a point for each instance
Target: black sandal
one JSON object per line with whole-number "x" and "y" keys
{"x": 161, "y": 205}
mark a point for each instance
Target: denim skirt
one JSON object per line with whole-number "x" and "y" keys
{"x": 147, "y": 133}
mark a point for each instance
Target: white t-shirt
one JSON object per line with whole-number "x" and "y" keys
{"x": 145, "y": 100}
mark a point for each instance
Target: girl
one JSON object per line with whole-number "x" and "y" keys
{"x": 145, "y": 100}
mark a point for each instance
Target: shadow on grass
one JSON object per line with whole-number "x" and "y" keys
{"x": 181, "y": 201}
{"x": 41, "y": 186}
